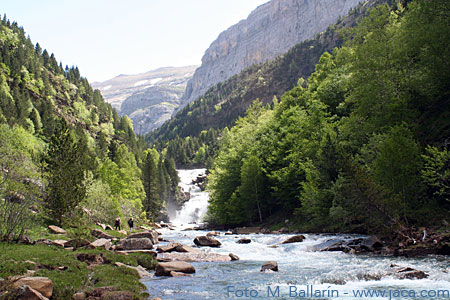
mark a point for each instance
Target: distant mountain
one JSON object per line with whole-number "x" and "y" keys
{"x": 270, "y": 30}
{"x": 150, "y": 98}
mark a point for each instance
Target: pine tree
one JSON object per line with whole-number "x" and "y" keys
{"x": 152, "y": 203}
{"x": 65, "y": 167}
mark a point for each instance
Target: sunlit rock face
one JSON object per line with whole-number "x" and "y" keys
{"x": 270, "y": 30}
{"x": 150, "y": 98}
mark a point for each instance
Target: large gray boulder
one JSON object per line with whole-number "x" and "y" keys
{"x": 164, "y": 269}
{"x": 134, "y": 244}
{"x": 104, "y": 243}
{"x": 206, "y": 241}
{"x": 150, "y": 234}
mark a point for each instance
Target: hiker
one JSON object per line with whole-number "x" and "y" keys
{"x": 117, "y": 223}
{"x": 131, "y": 224}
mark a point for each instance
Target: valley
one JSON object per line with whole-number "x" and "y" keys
{"x": 306, "y": 157}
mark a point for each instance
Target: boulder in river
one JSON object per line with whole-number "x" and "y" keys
{"x": 213, "y": 233}
{"x": 206, "y": 241}
{"x": 294, "y": 239}
{"x": 193, "y": 257}
{"x": 269, "y": 266}
{"x": 354, "y": 245}
{"x": 168, "y": 248}
{"x": 408, "y": 273}
{"x": 246, "y": 230}
{"x": 233, "y": 256}
{"x": 164, "y": 269}
{"x": 244, "y": 241}
{"x": 188, "y": 249}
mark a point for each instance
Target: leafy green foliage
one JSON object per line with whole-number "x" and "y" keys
{"x": 20, "y": 181}
{"x": 95, "y": 162}
{"x": 436, "y": 171}
{"x": 344, "y": 150}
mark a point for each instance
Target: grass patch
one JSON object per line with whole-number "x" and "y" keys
{"x": 16, "y": 259}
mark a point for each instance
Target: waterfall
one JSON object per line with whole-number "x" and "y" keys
{"x": 196, "y": 207}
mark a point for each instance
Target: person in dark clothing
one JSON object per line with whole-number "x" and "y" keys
{"x": 117, "y": 223}
{"x": 131, "y": 224}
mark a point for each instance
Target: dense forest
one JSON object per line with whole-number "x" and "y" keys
{"x": 360, "y": 145}
{"x": 64, "y": 151}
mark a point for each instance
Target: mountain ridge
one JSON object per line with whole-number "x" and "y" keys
{"x": 148, "y": 98}
{"x": 270, "y": 30}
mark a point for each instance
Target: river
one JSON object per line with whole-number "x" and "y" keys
{"x": 333, "y": 275}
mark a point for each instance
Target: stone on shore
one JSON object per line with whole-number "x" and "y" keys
{"x": 103, "y": 226}
{"x": 135, "y": 244}
{"x": 150, "y": 234}
{"x": 25, "y": 293}
{"x": 58, "y": 243}
{"x": 56, "y": 229}
{"x": 143, "y": 273}
{"x": 101, "y": 235}
{"x": 41, "y": 284}
{"x": 76, "y": 243}
{"x": 206, "y": 241}
{"x": 294, "y": 239}
{"x": 92, "y": 259}
{"x": 269, "y": 266}
{"x": 104, "y": 243}
{"x": 164, "y": 269}
{"x": 119, "y": 295}
{"x": 193, "y": 257}
{"x": 79, "y": 296}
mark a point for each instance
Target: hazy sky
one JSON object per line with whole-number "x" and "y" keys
{"x": 105, "y": 38}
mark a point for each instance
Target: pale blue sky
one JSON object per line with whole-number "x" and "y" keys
{"x": 105, "y": 38}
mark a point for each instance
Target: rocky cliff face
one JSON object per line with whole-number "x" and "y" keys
{"x": 270, "y": 30}
{"x": 150, "y": 98}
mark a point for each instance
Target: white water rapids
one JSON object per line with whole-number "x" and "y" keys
{"x": 193, "y": 210}
{"x": 299, "y": 266}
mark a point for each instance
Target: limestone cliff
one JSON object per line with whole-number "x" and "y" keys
{"x": 270, "y": 30}
{"x": 150, "y": 98}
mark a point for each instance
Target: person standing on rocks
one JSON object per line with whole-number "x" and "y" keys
{"x": 131, "y": 224}
{"x": 117, "y": 223}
